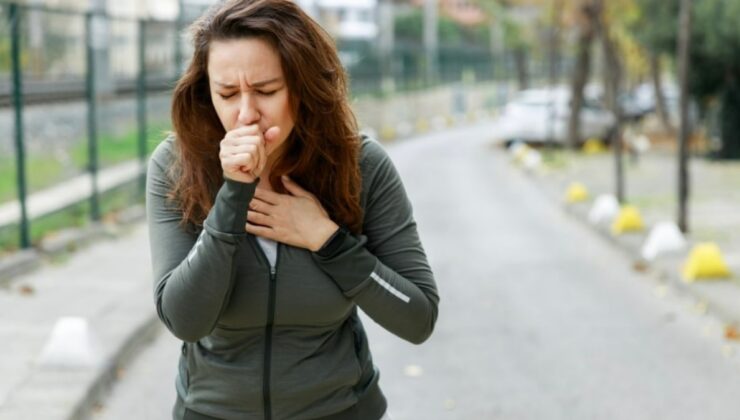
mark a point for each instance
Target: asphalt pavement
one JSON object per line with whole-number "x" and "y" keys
{"x": 540, "y": 318}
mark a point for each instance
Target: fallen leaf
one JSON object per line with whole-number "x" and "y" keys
{"x": 26, "y": 290}
{"x": 731, "y": 332}
{"x": 640, "y": 266}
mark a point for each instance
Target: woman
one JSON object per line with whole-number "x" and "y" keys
{"x": 271, "y": 220}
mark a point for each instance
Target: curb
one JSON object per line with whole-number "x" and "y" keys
{"x": 142, "y": 328}
{"x": 18, "y": 263}
{"x": 719, "y": 298}
{"x": 107, "y": 376}
{"x": 64, "y": 242}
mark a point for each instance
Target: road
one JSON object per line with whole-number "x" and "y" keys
{"x": 540, "y": 318}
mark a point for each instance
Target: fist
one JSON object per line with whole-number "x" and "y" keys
{"x": 243, "y": 154}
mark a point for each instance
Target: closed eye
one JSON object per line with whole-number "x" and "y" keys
{"x": 223, "y": 96}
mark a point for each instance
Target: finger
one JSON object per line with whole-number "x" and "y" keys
{"x": 242, "y": 148}
{"x": 262, "y": 231}
{"x": 239, "y": 143}
{"x": 268, "y": 196}
{"x": 246, "y": 130}
{"x": 260, "y": 206}
{"x": 262, "y": 151}
{"x": 243, "y": 162}
{"x": 259, "y": 219}
{"x": 294, "y": 188}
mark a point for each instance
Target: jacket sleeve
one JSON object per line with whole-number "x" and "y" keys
{"x": 385, "y": 270}
{"x": 193, "y": 273}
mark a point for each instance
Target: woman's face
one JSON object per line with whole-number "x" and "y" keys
{"x": 248, "y": 87}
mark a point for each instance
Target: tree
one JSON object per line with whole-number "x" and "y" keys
{"x": 684, "y": 48}
{"x": 655, "y": 29}
{"x": 589, "y": 12}
{"x": 715, "y": 66}
{"x": 516, "y": 38}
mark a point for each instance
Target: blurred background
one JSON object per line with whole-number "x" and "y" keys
{"x": 625, "y": 113}
{"x": 96, "y": 77}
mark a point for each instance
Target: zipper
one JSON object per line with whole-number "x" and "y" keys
{"x": 268, "y": 345}
{"x": 266, "y": 400}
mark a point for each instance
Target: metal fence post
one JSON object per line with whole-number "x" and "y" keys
{"x": 15, "y": 47}
{"x": 92, "y": 130}
{"x": 179, "y": 23}
{"x": 141, "y": 104}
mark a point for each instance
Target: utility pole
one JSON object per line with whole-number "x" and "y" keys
{"x": 431, "y": 39}
{"x": 179, "y": 24}
{"x": 684, "y": 49}
{"x": 557, "y": 6}
{"x": 386, "y": 42}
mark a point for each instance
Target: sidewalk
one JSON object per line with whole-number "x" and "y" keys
{"x": 110, "y": 285}
{"x": 650, "y": 185}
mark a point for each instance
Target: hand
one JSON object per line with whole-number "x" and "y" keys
{"x": 296, "y": 219}
{"x": 243, "y": 155}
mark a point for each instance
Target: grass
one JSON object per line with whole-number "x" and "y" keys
{"x": 45, "y": 171}
{"x": 75, "y": 216}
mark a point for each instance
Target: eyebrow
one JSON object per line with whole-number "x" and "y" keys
{"x": 254, "y": 85}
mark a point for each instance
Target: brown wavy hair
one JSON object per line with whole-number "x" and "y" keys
{"x": 322, "y": 151}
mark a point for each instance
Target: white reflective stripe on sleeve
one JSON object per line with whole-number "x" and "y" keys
{"x": 195, "y": 248}
{"x": 395, "y": 292}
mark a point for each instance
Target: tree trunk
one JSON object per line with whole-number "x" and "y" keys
{"x": 684, "y": 52}
{"x": 520, "y": 59}
{"x": 613, "y": 76}
{"x": 580, "y": 74}
{"x": 553, "y": 73}
{"x": 555, "y": 42}
{"x": 660, "y": 107}
{"x": 613, "y": 70}
{"x": 730, "y": 122}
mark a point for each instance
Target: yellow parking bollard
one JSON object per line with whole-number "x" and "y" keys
{"x": 387, "y": 132}
{"x": 593, "y": 146}
{"x": 705, "y": 262}
{"x": 576, "y": 193}
{"x": 628, "y": 220}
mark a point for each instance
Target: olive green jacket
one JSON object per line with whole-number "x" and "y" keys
{"x": 286, "y": 343}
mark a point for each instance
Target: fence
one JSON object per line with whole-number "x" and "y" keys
{"x": 86, "y": 93}
{"x": 82, "y": 92}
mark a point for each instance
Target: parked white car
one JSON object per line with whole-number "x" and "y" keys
{"x": 540, "y": 115}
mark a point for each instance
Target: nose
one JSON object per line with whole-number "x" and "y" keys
{"x": 248, "y": 112}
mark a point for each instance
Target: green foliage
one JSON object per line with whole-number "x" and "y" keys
{"x": 715, "y": 45}
{"x": 74, "y": 216}
{"x": 410, "y": 28}
{"x": 45, "y": 170}
{"x": 5, "y": 55}
{"x": 715, "y": 65}
{"x": 655, "y": 25}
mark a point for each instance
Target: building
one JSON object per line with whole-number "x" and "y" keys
{"x": 345, "y": 19}
{"x": 465, "y": 12}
